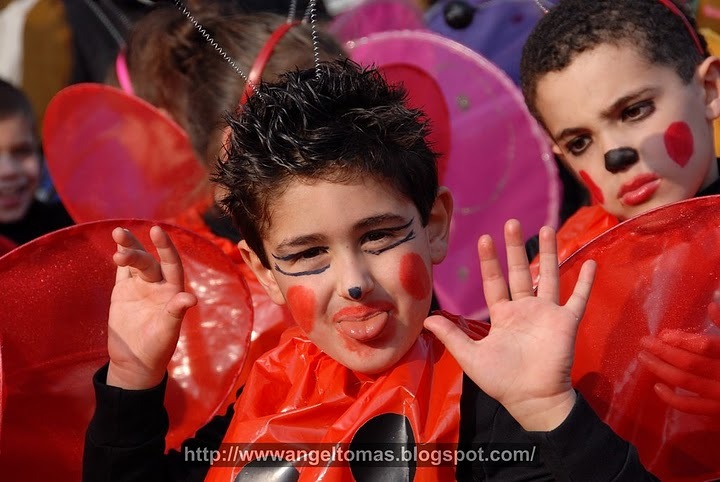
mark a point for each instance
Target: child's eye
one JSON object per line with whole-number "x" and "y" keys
{"x": 308, "y": 254}
{"x": 376, "y": 236}
{"x": 308, "y": 262}
{"x": 377, "y": 242}
{"x": 578, "y": 145}
{"x": 638, "y": 111}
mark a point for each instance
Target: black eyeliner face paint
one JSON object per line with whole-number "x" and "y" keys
{"x": 410, "y": 235}
{"x": 355, "y": 293}
{"x": 283, "y": 258}
{"x": 301, "y": 273}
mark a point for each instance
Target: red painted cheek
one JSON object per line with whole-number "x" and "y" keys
{"x": 414, "y": 276}
{"x": 679, "y": 143}
{"x": 594, "y": 189}
{"x": 301, "y": 301}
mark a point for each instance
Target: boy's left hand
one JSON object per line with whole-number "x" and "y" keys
{"x": 525, "y": 361}
{"x": 689, "y": 361}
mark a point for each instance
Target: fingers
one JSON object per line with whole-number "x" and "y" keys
{"x": 519, "y": 277}
{"x": 677, "y": 377}
{"x": 170, "y": 263}
{"x": 706, "y": 345}
{"x": 493, "y": 280}
{"x": 455, "y": 340}
{"x": 179, "y": 304}
{"x": 688, "y": 403}
{"x": 132, "y": 254}
{"x": 581, "y": 293}
{"x": 697, "y": 361}
{"x": 548, "y": 284}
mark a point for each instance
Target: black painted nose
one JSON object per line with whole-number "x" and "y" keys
{"x": 620, "y": 159}
{"x": 458, "y": 15}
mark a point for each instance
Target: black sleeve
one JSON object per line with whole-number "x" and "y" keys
{"x": 585, "y": 448}
{"x": 581, "y": 448}
{"x": 125, "y": 441}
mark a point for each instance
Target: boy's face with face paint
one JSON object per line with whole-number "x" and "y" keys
{"x": 637, "y": 136}
{"x": 353, "y": 262}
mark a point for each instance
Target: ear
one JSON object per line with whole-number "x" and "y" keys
{"x": 709, "y": 74}
{"x": 264, "y": 275}
{"x": 556, "y": 150}
{"x": 438, "y": 227}
{"x": 225, "y": 146}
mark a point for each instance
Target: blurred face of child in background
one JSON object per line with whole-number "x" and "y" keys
{"x": 642, "y": 137}
{"x": 354, "y": 264}
{"x": 19, "y": 167}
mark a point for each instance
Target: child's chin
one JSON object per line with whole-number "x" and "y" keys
{"x": 16, "y": 213}
{"x": 373, "y": 364}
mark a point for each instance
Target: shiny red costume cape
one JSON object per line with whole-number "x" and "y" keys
{"x": 297, "y": 395}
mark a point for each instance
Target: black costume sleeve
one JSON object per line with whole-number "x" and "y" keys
{"x": 581, "y": 448}
{"x": 125, "y": 441}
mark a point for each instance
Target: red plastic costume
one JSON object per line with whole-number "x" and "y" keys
{"x": 657, "y": 274}
{"x": 298, "y": 396}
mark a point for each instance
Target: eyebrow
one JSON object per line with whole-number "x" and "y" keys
{"x": 300, "y": 241}
{"x": 363, "y": 224}
{"x": 624, "y": 100}
{"x": 385, "y": 218}
{"x": 607, "y": 113}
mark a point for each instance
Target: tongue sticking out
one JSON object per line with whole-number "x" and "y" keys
{"x": 364, "y": 329}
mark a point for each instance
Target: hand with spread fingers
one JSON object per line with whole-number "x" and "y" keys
{"x": 689, "y": 362}
{"x": 147, "y": 306}
{"x": 525, "y": 361}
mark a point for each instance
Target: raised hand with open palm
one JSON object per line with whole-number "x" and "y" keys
{"x": 525, "y": 361}
{"x": 148, "y": 304}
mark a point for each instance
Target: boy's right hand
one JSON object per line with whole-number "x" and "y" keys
{"x": 147, "y": 306}
{"x": 526, "y": 359}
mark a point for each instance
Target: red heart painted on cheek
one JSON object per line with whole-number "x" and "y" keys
{"x": 679, "y": 143}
